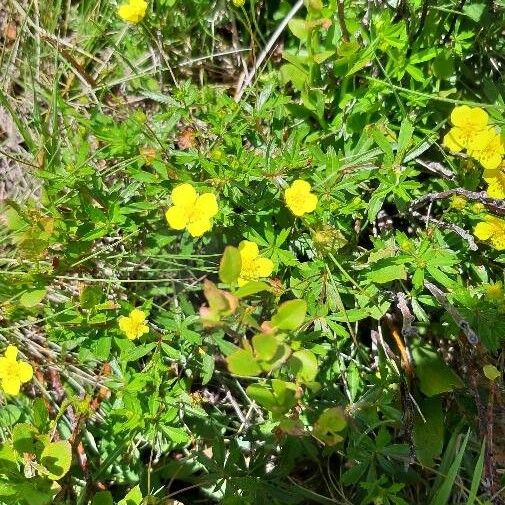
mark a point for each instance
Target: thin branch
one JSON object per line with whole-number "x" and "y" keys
{"x": 493, "y": 204}
{"x": 462, "y": 323}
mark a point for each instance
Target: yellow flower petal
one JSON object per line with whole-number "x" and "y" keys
{"x": 466, "y": 116}
{"x": 4, "y": 367}
{"x": 206, "y": 205}
{"x": 11, "y": 353}
{"x": 496, "y": 186}
{"x": 137, "y": 316}
{"x": 25, "y": 371}
{"x": 451, "y": 141}
{"x": 310, "y": 203}
{"x": 483, "y": 230}
{"x": 11, "y": 385}
{"x": 264, "y": 267}
{"x": 301, "y": 186}
{"x": 184, "y": 195}
{"x": 198, "y": 228}
{"x": 248, "y": 250}
{"x": 177, "y": 217}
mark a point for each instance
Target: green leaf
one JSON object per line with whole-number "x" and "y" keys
{"x": 8, "y": 460}
{"x": 304, "y": 365}
{"x": 329, "y": 424}
{"x": 57, "y": 458}
{"x": 290, "y": 315}
{"x": 32, "y": 298}
{"x": 251, "y": 288}
{"x": 265, "y": 346}
{"x": 24, "y": 438}
{"x": 279, "y": 398}
{"x": 102, "y": 498}
{"x": 387, "y": 274}
{"x": 230, "y": 266}
{"x": 134, "y": 497}
{"x": 242, "y": 363}
{"x": 90, "y": 297}
{"x": 429, "y": 433}
{"x": 477, "y": 476}
{"x": 299, "y": 28}
{"x": 9, "y": 416}
{"x": 434, "y": 375}
{"x": 292, "y": 73}
{"x": 40, "y": 415}
{"x": 443, "y": 493}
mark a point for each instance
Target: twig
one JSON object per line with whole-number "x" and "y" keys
{"x": 462, "y": 323}
{"x": 496, "y": 206}
{"x": 266, "y": 50}
{"x": 437, "y": 168}
{"x": 449, "y": 226}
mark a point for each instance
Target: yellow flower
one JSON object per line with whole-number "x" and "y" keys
{"x": 299, "y": 199}
{"x": 492, "y": 229}
{"x": 496, "y": 182}
{"x": 253, "y": 265}
{"x": 133, "y": 11}
{"x": 238, "y": 3}
{"x": 487, "y": 147}
{"x": 13, "y": 373}
{"x": 134, "y": 325}
{"x": 191, "y": 211}
{"x": 494, "y": 292}
{"x": 467, "y": 122}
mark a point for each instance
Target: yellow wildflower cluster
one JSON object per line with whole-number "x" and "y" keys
{"x": 253, "y": 265}
{"x": 134, "y": 326}
{"x": 472, "y": 132}
{"x": 191, "y": 211}
{"x": 13, "y": 373}
{"x": 492, "y": 229}
{"x": 132, "y": 11}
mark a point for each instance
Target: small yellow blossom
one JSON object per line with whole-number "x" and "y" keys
{"x": 13, "y": 373}
{"x": 458, "y": 202}
{"x": 299, "y": 198}
{"x": 132, "y": 11}
{"x": 191, "y": 210}
{"x": 238, "y": 3}
{"x": 253, "y": 265}
{"x": 494, "y": 292}
{"x": 467, "y": 122}
{"x": 134, "y": 325}
{"x": 492, "y": 229}
{"x": 488, "y": 148}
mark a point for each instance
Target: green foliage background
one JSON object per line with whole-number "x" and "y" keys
{"x": 336, "y": 404}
